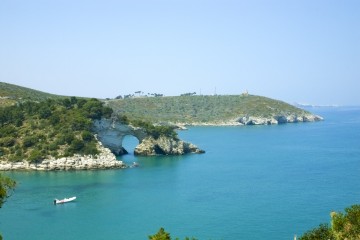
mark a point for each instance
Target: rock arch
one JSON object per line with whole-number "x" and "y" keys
{"x": 112, "y": 133}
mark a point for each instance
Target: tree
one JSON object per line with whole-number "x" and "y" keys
{"x": 347, "y": 226}
{"x": 343, "y": 226}
{"x": 87, "y": 136}
{"x": 7, "y": 185}
{"x": 160, "y": 235}
{"x": 321, "y": 232}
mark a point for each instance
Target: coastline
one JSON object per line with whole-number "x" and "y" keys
{"x": 253, "y": 120}
{"x": 104, "y": 160}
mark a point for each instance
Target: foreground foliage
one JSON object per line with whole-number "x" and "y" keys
{"x": 57, "y": 128}
{"x": 344, "y": 226}
{"x": 163, "y": 235}
{"x": 7, "y": 186}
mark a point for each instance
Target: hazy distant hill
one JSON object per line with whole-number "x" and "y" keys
{"x": 10, "y": 93}
{"x": 203, "y": 109}
{"x": 219, "y": 109}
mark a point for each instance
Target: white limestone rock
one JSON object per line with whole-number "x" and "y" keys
{"x": 104, "y": 160}
{"x": 165, "y": 146}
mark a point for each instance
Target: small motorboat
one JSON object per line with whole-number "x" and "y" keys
{"x": 135, "y": 164}
{"x": 65, "y": 200}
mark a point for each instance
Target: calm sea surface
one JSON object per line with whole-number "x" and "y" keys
{"x": 256, "y": 182}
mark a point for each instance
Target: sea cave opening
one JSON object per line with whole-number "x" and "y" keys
{"x": 129, "y": 143}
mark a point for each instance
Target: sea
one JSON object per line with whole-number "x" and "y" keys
{"x": 253, "y": 182}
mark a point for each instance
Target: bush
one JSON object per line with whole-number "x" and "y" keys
{"x": 35, "y": 156}
{"x": 53, "y": 146}
{"x": 347, "y": 226}
{"x": 8, "y": 131}
{"x": 29, "y": 141}
{"x": 87, "y": 136}
{"x": 155, "y": 131}
{"x": 76, "y": 145}
{"x": 123, "y": 119}
{"x": 163, "y": 235}
{"x": 160, "y": 235}
{"x": 7, "y": 142}
{"x": 91, "y": 149}
{"x": 321, "y": 232}
{"x": 343, "y": 226}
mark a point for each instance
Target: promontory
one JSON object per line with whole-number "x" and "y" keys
{"x": 42, "y": 131}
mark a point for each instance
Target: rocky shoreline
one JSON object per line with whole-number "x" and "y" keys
{"x": 165, "y": 146}
{"x": 105, "y": 160}
{"x": 254, "y": 120}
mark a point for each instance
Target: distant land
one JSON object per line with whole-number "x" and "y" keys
{"x": 244, "y": 109}
{"x": 307, "y": 105}
{"x": 188, "y": 109}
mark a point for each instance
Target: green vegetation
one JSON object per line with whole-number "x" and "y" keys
{"x": 201, "y": 109}
{"x": 11, "y": 94}
{"x": 163, "y": 235}
{"x": 343, "y": 226}
{"x": 155, "y": 131}
{"x": 7, "y": 185}
{"x": 57, "y": 128}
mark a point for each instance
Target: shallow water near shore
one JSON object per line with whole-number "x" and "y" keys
{"x": 254, "y": 182}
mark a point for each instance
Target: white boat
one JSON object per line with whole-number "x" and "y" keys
{"x": 135, "y": 164}
{"x": 65, "y": 200}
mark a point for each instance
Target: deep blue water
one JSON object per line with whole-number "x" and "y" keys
{"x": 255, "y": 182}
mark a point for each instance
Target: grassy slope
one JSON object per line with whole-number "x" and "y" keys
{"x": 189, "y": 109}
{"x": 16, "y": 93}
{"x": 185, "y": 109}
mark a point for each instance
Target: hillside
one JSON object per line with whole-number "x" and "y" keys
{"x": 10, "y": 94}
{"x": 188, "y": 110}
{"x": 205, "y": 109}
{"x": 51, "y": 128}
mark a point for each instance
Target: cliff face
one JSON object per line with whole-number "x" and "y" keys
{"x": 278, "y": 119}
{"x": 111, "y": 134}
{"x": 104, "y": 160}
{"x": 165, "y": 146}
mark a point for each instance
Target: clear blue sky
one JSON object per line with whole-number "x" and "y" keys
{"x": 296, "y": 51}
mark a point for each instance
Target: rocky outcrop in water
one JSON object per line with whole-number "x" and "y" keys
{"x": 111, "y": 134}
{"x": 165, "y": 146}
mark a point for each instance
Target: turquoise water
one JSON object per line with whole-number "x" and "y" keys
{"x": 256, "y": 182}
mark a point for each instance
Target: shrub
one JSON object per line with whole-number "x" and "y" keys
{"x": 76, "y": 145}
{"x": 29, "y": 141}
{"x": 8, "y": 130}
{"x": 87, "y": 136}
{"x": 91, "y": 149}
{"x": 7, "y": 142}
{"x": 323, "y": 231}
{"x": 35, "y": 156}
{"x": 53, "y": 146}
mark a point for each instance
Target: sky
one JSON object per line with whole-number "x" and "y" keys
{"x": 297, "y": 51}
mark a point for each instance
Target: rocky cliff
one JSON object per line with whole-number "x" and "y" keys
{"x": 165, "y": 146}
{"x": 111, "y": 133}
{"x": 104, "y": 160}
{"x": 277, "y": 119}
